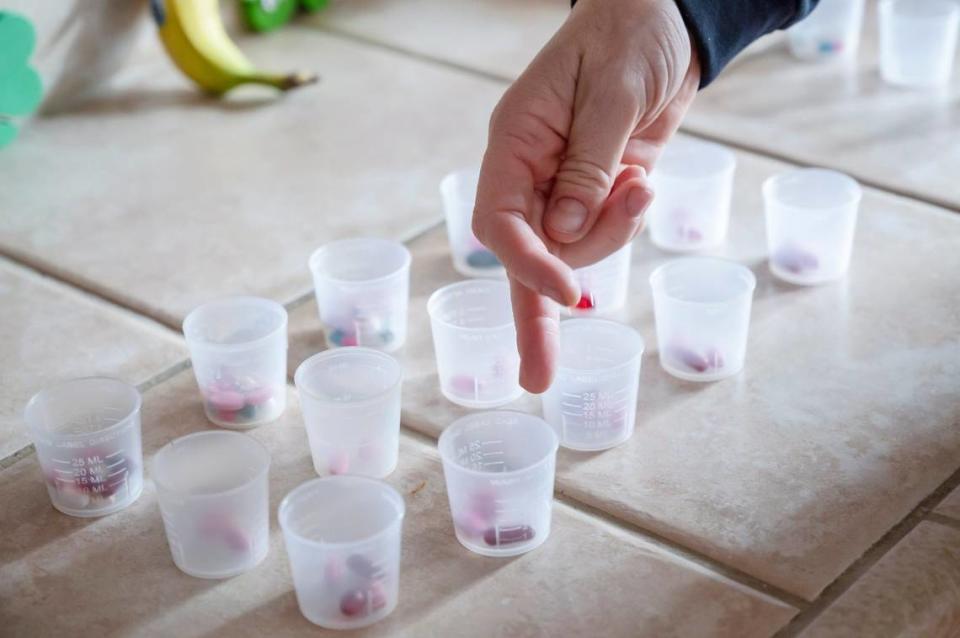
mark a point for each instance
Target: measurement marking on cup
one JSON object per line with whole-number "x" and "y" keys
{"x": 118, "y": 452}
{"x": 67, "y": 472}
{"x": 123, "y": 471}
{"x": 62, "y": 462}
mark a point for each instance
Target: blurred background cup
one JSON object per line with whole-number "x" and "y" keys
{"x": 458, "y": 190}
{"x": 363, "y": 288}
{"x": 351, "y": 407}
{"x": 702, "y": 310}
{"x": 87, "y": 436}
{"x": 811, "y": 218}
{"x": 592, "y": 403}
{"x": 238, "y": 346}
{"x": 831, "y": 31}
{"x": 343, "y": 536}
{"x": 212, "y": 489}
{"x": 475, "y": 342}
{"x": 693, "y": 182}
{"x": 499, "y": 470}
{"x": 918, "y": 41}
{"x": 603, "y": 285}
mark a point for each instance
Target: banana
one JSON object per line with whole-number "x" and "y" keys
{"x": 194, "y": 36}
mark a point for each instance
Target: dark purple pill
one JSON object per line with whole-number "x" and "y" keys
{"x": 497, "y": 536}
{"x": 363, "y": 566}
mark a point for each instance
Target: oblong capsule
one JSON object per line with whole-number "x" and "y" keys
{"x": 499, "y": 536}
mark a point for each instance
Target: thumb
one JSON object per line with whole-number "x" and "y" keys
{"x": 603, "y": 121}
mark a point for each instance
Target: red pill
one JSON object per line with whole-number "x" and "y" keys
{"x": 586, "y": 301}
{"x": 498, "y": 536}
{"x": 354, "y": 602}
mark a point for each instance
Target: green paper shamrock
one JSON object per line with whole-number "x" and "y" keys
{"x": 20, "y": 86}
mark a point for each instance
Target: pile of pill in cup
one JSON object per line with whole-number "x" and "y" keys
{"x": 343, "y": 531}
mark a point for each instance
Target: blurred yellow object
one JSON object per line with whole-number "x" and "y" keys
{"x": 193, "y": 34}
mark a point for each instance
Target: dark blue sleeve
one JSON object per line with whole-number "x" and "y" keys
{"x": 720, "y": 29}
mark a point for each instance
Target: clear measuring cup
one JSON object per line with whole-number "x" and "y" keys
{"x": 592, "y": 403}
{"x": 475, "y": 343}
{"x": 603, "y": 285}
{"x": 351, "y": 406}
{"x": 693, "y": 182}
{"x": 811, "y": 216}
{"x": 87, "y": 436}
{"x": 918, "y": 41}
{"x": 362, "y": 287}
{"x": 831, "y": 31}
{"x": 702, "y": 310}
{"x": 470, "y": 258}
{"x": 499, "y": 469}
{"x": 238, "y": 346}
{"x": 343, "y": 540}
{"x": 213, "y": 496}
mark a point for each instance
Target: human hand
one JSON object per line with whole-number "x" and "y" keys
{"x": 563, "y": 181}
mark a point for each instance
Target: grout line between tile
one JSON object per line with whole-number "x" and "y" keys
{"x": 923, "y": 511}
{"x": 943, "y": 519}
{"x": 866, "y": 180}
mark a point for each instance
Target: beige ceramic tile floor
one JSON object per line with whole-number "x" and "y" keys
{"x": 52, "y": 333}
{"x": 733, "y": 508}
{"x": 115, "y": 575}
{"x": 841, "y": 423}
{"x": 838, "y": 115}
{"x": 240, "y": 191}
{"x": 914, "y": 591}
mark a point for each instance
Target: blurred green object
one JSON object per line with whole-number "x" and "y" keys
{"x": 20, "y": 87}
{"x": 267, "y": 15}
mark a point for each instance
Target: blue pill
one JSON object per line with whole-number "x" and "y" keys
{"x": 482, "y": 259}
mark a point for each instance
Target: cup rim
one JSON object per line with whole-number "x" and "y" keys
{"x": 434, "y": 298}
{"x": 332, "y": 353}
{"x": 769, "y": 184}
{"x": 38, "y": 397}
{"x": 260, "y": 447}
{"x": 616, "y": 324}
{"x": 943, "y": 9}
{"x": 283, "y": 510}
{"x": 445, "y": 456}
{"x": 316, "y": 255}
{"x": 729, "y": 159}
{"x": 267, "y": 304}
{"x": 657, "y": 276}
{"x": 450, "y": 177}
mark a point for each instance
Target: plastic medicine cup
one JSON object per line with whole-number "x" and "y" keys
{"x": 811, "y": 216}
{"x": 475, "y": 343}
{"x": 87, "y": 436}
{"x": 343, "y": 538}
{"x": 499, "y": 469}
{"x": 702, "y": 310}
{"x": 362, "y": 288}
{"x": 238, "y": 346}
{"x": 351, "y": 407}
{"x": 918, "y": 39}
{"x": 212, "y": 489}
{"x": 470, "y": 258}
{"x": 693, "y": 183}
{"x": 592, "y": 403}
{"x": 830, "y": 32}
{"x": 603, "y": 285}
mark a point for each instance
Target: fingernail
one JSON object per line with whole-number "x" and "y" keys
{"x": 637, "y": 201}
{"x": 568, "y": 216}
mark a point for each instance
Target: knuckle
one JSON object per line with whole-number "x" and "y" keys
{"x": 584, "y": 174}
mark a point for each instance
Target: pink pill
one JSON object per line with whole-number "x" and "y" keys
{"x": 464, "y": 385}
{"x": 472, "y": 524}
{"x": 796, "y": 260}
{"x": 339, "y": 462}
{"x": 377, "y": 594}
{"x": 229, "y": 400}
{"x": 334, "y": 570}
{"x": 483, "y": 504}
